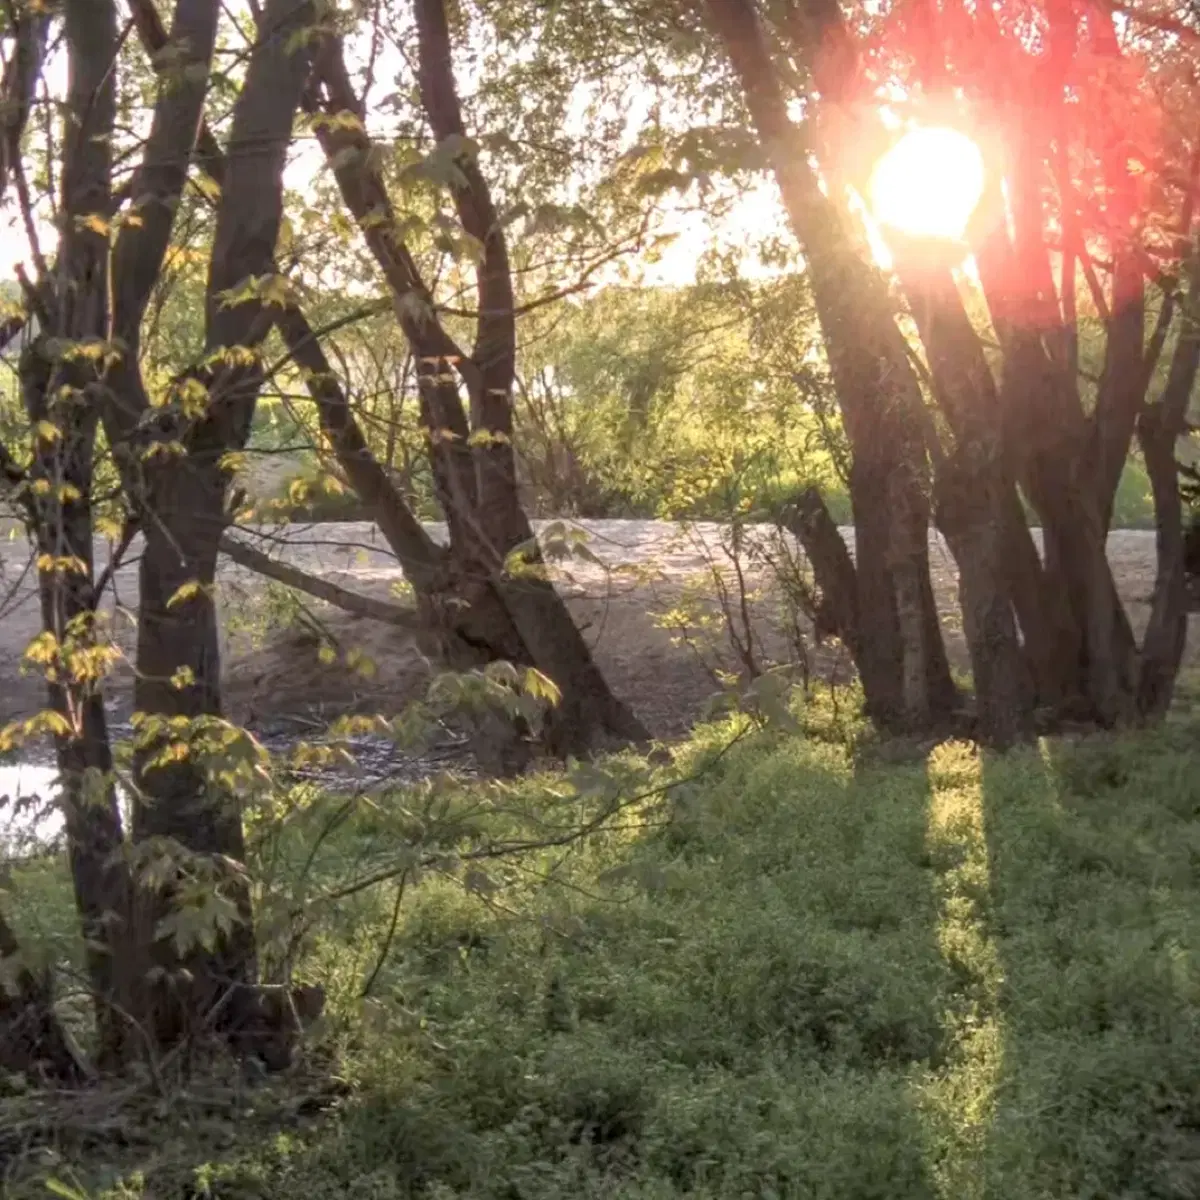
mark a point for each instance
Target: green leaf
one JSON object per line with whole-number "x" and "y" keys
{"x": 769, "y": 694}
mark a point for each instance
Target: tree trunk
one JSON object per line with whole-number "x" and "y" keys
{"x": 1166, "y": 631}
{"x": 1159, "y": 430}
{"x": 909, "y": 536}
{"x": 181, "y": 810}
{"x": 879, "y": 396}
{"x": 975, "y": 495}
{"x": 62, "y": 529}
{"x": 176, "y": 690}
{"x": 59, "y": 395}
{"x": 1046, "y": 439}
{"x": 970, "y": 513}
{"x": 1044, "y": 619}
{"x": 809, "y": 522}
{"x": 880, "y": 664}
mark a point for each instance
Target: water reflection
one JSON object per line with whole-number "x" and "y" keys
{"x": 31, "y": 820}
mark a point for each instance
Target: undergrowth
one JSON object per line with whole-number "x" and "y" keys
{"x": 815, "y": 969}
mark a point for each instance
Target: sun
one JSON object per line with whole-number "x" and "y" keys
{"x": 928, "y": 184}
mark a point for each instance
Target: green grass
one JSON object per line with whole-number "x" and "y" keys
{"x": 814, "y": 972}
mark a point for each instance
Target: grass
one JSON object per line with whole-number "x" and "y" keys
{"x": 812, "y": 971}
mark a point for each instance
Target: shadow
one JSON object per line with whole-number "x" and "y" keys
{"x": 1083, "y": 1003}
{"x": 745, "y": 1003}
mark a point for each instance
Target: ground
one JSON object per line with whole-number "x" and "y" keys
{"x": 277, "y": 680}
{"x": 792, "y": 967}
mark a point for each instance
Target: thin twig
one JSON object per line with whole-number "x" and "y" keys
{"x": 386, "y": 948}
{"x": 504, "y": 849}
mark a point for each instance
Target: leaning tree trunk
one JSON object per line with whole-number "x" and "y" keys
{"x": 504, "y": 615}
{"x": 492, "y": 611}
{"x": 881, "y": 403}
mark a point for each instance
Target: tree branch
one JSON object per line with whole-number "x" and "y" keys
{"x": 495, "y": 333}
{"x": 251, "y": 207}
{"x": 350, "y": 154}
{"x": 184, "y": 64}
{"x": 153, "y": 34}
{"x": 418, "y": 554}
{"x": 322, "y": 589}
{"x": 19, "y": 84}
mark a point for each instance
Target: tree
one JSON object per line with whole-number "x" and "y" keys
{"x": 166, "y": 917}
{"x": 1029, "y": 430}
{"x": 675, "y": 402}
{"x": 469, "y": 591}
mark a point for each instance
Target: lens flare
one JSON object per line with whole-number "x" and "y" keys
{"x": 928, "y": 184}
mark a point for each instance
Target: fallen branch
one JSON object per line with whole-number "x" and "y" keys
{"x": 254, "y": 560}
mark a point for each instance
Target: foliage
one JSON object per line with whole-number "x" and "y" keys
{"x": 828, "y": 966}
{"x": 1190, "y": 487}
{"x": 665, "y": 402}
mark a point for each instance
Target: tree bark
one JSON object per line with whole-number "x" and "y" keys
{"x": 880, "y": 399}
{"x": 181, "y": 502}
{"x": 969, "y": 505}
{"x": 1159, "y": 430}
{"x": 909, "y": 535}
{"x": 809, "y": 522}
{"x": 975, "y": 496}
{"x": 60, "y": 399}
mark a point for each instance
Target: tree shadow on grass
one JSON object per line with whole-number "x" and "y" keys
{"x": 745, "y": 1012}
{"x": 1092, "y": 913}
{"x": 746, "y": 1021}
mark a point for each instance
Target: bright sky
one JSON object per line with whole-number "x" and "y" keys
{"x": 757, "y": 212}
{"x": 926, "y": 186}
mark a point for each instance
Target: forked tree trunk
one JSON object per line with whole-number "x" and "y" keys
{"x": 493, "y": 612}
{"x": 181, "y": 806}
{"x": 482, "y": 614}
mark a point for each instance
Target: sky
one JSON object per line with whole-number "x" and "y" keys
{"x": 917, "y": 191}
{"x": 752, "y": 214}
